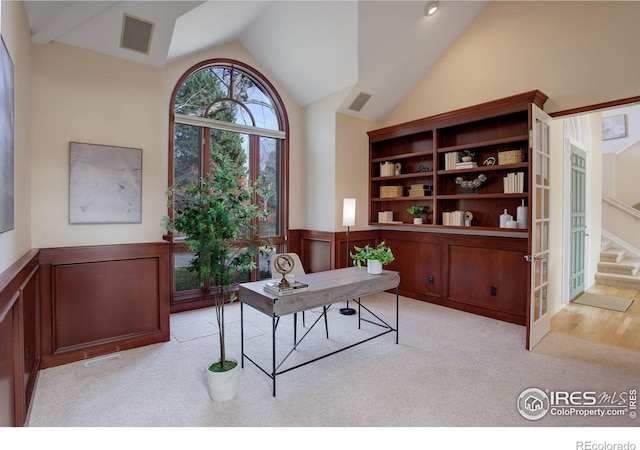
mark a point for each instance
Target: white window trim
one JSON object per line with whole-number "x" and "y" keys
{"x": 228, "y": 126}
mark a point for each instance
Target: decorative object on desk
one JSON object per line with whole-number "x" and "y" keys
{"x": 490, "y": 161}
{"x": 214, "y": 214}
{"x": 522, "y": 215}
{"x": 467, "y": 155}
{"x": 505, "y": 217}
{"x": 375, "y": 257}
{"x": 471, "y": 184}
{"x": 273, "y": 287}
{"x": 417, "y": 211}
{"x": 283, "y": 264}
{"x": 349, "y": 220}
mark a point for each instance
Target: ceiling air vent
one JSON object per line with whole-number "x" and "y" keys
{"x": 136, "y": 34}
{"x": 359, "y": 102}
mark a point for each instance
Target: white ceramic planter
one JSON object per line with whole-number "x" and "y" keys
{"x": 374, "y": 266}
{"x": 417, "y": 220}
{"x": 223, "y": 386}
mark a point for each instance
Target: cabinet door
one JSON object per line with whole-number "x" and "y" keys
{"x": 489, "y": 278}
{"x": 419, "y": 264}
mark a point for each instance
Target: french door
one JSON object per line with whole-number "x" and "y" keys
{"x": 539, "y": 320}
{"x": 578, "y": 222}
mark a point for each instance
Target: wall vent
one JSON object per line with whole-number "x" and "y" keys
{"x": 102, "y": 360}
{"x": 136, "y": 34}
{"x": 359, "y": 102}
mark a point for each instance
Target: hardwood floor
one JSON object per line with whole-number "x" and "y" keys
{"x": 602, "y": 325}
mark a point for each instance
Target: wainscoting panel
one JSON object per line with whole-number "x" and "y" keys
{"x": 19, "y": 338}
{"x": 103, "y": 299}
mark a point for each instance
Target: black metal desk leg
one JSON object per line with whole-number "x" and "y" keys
{"x": 273, "y": 353}
{"x": 241, "y": 336}
{"x": 397, "y": 309}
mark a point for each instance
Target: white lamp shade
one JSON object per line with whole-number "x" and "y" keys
{"x": 349, "y": 212}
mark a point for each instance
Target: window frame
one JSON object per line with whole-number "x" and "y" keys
{"x": 191, "y": 299}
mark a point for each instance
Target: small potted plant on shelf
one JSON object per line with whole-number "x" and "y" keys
{"x": 375, "y": 257}
{"x": 467, "y": 155}
{"x": 416, "y": 211}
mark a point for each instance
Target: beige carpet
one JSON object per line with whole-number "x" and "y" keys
{"x": 450, "y": 369}
{"x": 604, "y": 301}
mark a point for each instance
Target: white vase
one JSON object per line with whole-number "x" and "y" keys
{"x": 467, "y": 158}
{"x": 374, "y": 266}
{"x": 417, "y": 220}
{"x": 223, "y": 386}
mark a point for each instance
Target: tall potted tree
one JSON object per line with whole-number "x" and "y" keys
{"x": 215, "y": 216}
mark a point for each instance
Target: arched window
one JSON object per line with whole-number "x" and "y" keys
{"x": 225, "y": 105}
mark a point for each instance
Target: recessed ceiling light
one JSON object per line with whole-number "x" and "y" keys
{"x": 431, "y": 8}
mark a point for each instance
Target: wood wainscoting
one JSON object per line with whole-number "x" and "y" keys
{"x": 19, "y": 338}
{"x": 103, "y": 299}
{"x": 326, "y": 250}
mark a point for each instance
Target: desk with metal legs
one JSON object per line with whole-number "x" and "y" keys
{"x": 325, "y": 288}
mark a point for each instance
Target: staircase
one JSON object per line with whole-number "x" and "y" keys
{"x": 616, "y": 268}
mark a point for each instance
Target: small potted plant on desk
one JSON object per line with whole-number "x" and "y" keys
{"x": 416, "y": 211}
{"x": 375, "y": 257}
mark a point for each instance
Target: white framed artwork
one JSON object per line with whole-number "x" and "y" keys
{"x": 105, "y": 184}
{"x": 614, "y": 127}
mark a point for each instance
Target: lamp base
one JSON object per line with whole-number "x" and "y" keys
{"x": 347, "y": 311}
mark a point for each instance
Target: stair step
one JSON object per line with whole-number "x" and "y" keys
{"x": 613, "y": 255}
{"x": 605, "y": 244}
{"x": 621, "y": 281}
{"x": 627, "y": 266}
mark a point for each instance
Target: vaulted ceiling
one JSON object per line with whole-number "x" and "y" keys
{"x": 313, "y": 48}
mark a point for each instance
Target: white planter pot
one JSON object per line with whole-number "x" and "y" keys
{"x": 374, "y": 266}
{"x": 417, "y": 220}
{"x": 223, "y": 386}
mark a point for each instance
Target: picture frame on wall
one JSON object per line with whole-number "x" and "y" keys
{"x": 7, "y": 185}
{"x": 614, "y": 127}
{"x": 105, "y": 184}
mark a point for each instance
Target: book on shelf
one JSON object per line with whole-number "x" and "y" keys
{"x": 453, "y": 218}
{"x": 293, "y": 288}
{"x": 466, "y": 165}
{"x": 514, "y": 183}
{"x": 450, "y": 160}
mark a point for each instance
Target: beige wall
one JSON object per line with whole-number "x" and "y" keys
{"x": 17, "y": 37}
{"x": 83, "y": 96}
{"x": 352, "y": 175}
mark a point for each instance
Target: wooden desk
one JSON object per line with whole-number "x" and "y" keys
{"x": 325, "y": 288}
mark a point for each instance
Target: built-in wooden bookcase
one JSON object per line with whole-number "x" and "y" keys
{"x": 477, "y": 267}
{"x": 423, "y": 156}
